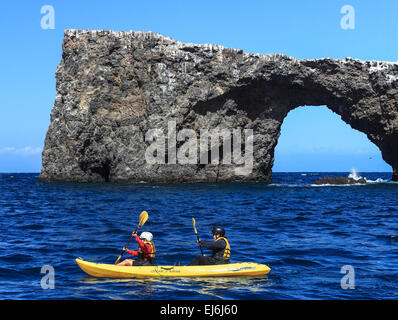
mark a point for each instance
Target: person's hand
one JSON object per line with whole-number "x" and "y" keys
{"x": 199, "y": 242}
{"x": 134, "y": 234}
{"x": 124, "y": 249}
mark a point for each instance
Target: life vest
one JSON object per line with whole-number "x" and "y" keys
{"x": 226, "y": 255}
{"x": 150, "y": 256}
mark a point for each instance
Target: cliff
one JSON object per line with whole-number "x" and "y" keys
{"x": 120, "y": 92}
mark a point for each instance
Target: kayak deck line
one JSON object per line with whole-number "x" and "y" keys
{"x": 102, "y": 270}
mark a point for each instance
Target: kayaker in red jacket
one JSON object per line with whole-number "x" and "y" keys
{"x": 145, "y": 254}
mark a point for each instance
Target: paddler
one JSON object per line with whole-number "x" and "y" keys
{"x": 221, "y": 251}
{"x": 145, "y": 254}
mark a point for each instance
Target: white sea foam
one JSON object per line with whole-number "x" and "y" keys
{"x": 356, "y": 176}
{"x": 284, "y": 185}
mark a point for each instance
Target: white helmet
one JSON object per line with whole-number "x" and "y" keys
{"x": 147, "y": 236}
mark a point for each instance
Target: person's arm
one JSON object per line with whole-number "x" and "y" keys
{"x": 132, "y": 252}
{"x": 214, "y": 245}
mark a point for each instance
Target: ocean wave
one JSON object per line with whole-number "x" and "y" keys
{"x": 378, "y": 181}
{"x": 336, "y": 185}
{"x": 368, "y": 181}
{"x": 355, "y": 175}
{"x": 283, "y": 185}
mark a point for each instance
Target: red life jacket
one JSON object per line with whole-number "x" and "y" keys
{"x": 150, "y": 256}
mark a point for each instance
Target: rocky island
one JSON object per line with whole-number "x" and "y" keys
{"x": 115, "y": 87}
{"x": 339, "y": 181}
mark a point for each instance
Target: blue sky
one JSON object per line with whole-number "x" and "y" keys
{"x": 313, "y": 138}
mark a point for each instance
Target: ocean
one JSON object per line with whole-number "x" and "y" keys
{"x": 321, "y": 242}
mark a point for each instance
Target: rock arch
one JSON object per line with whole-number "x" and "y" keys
{"x": 314, "y": 138}
{"x": 114, "y": 86}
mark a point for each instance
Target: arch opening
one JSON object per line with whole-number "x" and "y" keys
{"x": 315, "y": 139}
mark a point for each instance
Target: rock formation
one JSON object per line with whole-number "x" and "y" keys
{"x": 339, "y": 181}
{"x": 114, "y": 87}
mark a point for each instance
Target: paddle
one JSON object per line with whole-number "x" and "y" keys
{"x": 197, "y": 236}
{"x": 141, "y": 220}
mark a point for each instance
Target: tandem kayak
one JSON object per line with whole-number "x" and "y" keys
{"x": 102, "y": 270}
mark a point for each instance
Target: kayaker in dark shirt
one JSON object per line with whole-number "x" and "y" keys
{"x": 145, "y": 254}
{"x": 221, "y": 251}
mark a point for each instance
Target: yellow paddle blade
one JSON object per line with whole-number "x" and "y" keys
{"x": 143, "y": 218}
{"x": 118, "y": 259}
{"x": 194, "y": 225}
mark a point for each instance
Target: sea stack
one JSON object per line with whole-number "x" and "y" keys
{"x": 116, "y": 89}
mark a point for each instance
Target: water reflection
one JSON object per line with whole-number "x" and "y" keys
{"x": 207, "y": 287}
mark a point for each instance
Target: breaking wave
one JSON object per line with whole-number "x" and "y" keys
{"x": 356, "y": 176}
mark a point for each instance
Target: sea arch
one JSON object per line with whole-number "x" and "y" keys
{"x": 316, "y": 139}
{"x": 113, "y": 86}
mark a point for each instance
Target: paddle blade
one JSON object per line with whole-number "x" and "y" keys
{"x": 118, "y": 259}
{"x": 143, "y": 218}
{"x": 194, "y": 225}
{"x": 197, "y": 236}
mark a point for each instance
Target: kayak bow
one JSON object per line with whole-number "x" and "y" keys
{"x": 102, "y": 270}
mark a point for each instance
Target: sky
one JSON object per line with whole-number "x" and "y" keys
{"x": 312, "y": 138}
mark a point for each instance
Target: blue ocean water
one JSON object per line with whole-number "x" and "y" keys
{"x": 305, "y": 233}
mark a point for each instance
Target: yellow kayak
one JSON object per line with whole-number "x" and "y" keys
{"x": 102, "y": 270}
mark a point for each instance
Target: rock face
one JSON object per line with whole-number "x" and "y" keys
{"x": 339, "y": 181}
{"x": 115, "y": 87}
